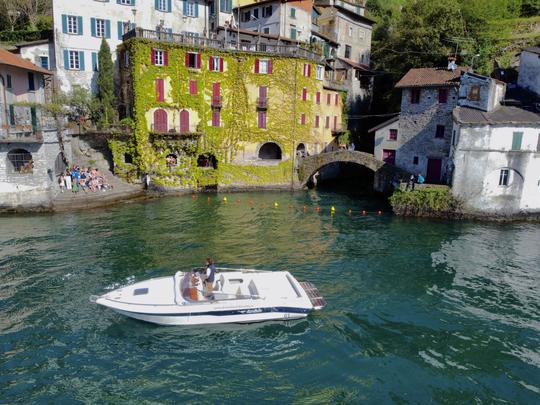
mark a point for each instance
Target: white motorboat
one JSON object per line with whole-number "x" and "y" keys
{"x": 239, "y": 296}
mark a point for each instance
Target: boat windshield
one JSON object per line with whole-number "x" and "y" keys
{"x": 193, "y": 291}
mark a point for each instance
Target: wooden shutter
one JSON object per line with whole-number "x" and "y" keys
{"x": 186, "y": 59}
{"x": 153, "y": 56}
{"x": 184, "y": 121}
{"x": 309, "y": 70}
{"x": 160, "y": 90}
{"x": 335, "y": 122}
{"x": 269, "y": 66}
{"x": 107, "y": 29}
{"x": 304, "y": 94}
{"x": 216, "y": 118}
{"x": 216, "y": 90}
{"x": 165, "y": 58}
{"x": 337, "y": 99}
{"x": 328, "y": 99}
{"x": 317, "y": 118}
{"x": 221, "y": 64}
{"x": 160, "y": 121}
{"x": 93, "y": 26}
{"x": 262, "y": 92}
{"x": 327, "y": 122}
{"x": 318, "y": 97}
{"x": 303, "y": 119}
{"x": 198, "y": 66}
{"x": 192, "y": 87}
{"x": 64, "y": 23}
{"x": 257, "y": 65}
{"x": 211, "y": 63}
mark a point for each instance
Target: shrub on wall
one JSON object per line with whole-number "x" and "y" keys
{"x": 429, "y": 202}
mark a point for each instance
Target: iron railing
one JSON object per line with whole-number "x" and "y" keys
{"x": 293, "y": 51}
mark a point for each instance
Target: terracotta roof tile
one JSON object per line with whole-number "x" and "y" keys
{"x": 431, "y": 77}
{"x": 8, "y": 58}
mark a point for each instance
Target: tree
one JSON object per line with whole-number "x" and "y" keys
{"x": 32, "y": 10}
{"x": 10, "y": 12}
{"x": 105, "y": 85}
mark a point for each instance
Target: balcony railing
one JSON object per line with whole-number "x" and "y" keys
{"x": 262, "y": 103}
{"x": 202, "y": 42}
{"x": 20, "y": 134}
{"x": 217, "y": 102}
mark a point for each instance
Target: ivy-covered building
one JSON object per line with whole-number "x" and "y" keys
{"x": 204, "y": 114}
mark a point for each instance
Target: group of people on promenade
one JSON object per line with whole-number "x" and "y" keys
{"x": 419, "y": 179}
{"x": 85, "y": 179}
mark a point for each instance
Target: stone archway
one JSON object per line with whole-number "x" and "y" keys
{"x": 270, "y": 151}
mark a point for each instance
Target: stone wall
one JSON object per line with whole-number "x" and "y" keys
{"x": 91, "y": 149}
{"x": 529, "y": 66}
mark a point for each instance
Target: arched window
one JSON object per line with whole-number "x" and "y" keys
{"x": 160, "y": 120}
{"x": 21, "y": 161}
{"x": 207, "y": 161}
{"x": 184, "y": 121}
{"x": 270, "y": 151}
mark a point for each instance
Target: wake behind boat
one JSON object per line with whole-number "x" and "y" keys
{"x": 238, "y": 296}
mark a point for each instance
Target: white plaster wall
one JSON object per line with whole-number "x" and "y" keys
{"x": 478, "y": 157}
{"x": 34, "y": 52}
{"x": 272, "y": 22}
{"x": 145, "y": 17}
{"x": 19, "y": 91}
{"x": 529, "y": 71}
{"x": 382, "y": 141}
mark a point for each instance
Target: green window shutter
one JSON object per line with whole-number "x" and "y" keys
{"x": 185, "y": 6}
{"x": 221, "y": 5}
{"x": 66, "y": 59}
{"x": 107, "y": 29}
{"x": 196, "y": 8}
{"x": 79, "y": 26}
{"x": 33, "y": 116}
{"x": 94, "y": 62}
{"x": 132, "y": 2}
{"x": 120, "y": 27}
{"x": 293, "y": 12}
{"x": 11, "y": 115}
{"x": 93, "y": 26}
{"x": 64, "y": 23}
{"x": 538, "y": 144}
{"x": 516, "y": 140}
{"x": 169, "y": 5}
{"x": 81, "y": 60}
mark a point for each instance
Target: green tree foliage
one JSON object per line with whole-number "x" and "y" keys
{"x": 105, "y": 85}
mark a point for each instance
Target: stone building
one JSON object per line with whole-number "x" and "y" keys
{"x": 80, "y": 26}
{"x": 30, "y": 154}
{"x": 495, "y": 150}
{"x": 419, "y": 142}
{"x": 529, "y": 68}
{"x": 206, "y": 114}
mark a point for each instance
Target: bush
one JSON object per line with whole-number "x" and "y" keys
{"x": 426, "y": 202}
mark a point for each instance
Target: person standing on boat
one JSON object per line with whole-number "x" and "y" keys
{"x": 210, "y": 276}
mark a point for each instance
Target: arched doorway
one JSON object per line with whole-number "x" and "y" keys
{"x": 184, "y": 121}
{"x": 160, "y": 120}
{"x": 207, "y": 161}
{"x": 346, "y": 177}
{"x": 21, "y": 161}
{"x": 59, "y": 165}
{"x": 270, "y": 151}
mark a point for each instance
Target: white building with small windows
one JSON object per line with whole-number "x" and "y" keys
{"x": 80, "y": 26}
{"x": 495, "y": 151}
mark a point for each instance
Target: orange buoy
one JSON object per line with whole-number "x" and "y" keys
{"x": 349, "y": 212}
{"x": 193, "y": 196}
{"x": 238, "y": 200}
{"x": 305, "y": 208}
{"x": 364, "y": 212}
{"x": 379, "y": 212}
{"x": 318, "y": 209}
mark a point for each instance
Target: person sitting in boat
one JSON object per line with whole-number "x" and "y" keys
{"x": 209, "y": 276}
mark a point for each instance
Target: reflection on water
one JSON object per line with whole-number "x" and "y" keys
{"x": 418, "y": 311}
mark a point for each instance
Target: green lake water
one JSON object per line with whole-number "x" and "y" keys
{"x": 419, "y": 311}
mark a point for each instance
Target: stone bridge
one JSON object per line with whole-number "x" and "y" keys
{"x": 384, "y": 173}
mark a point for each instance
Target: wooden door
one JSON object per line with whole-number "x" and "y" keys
{"x": 433, "y": 174}
{"x": 160, "y": 121}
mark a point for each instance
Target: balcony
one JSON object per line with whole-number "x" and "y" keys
{"x": 20, "y": 134}
{"x": 262, "y": 103}
{"x": 291, "y": 51}
{"x": 217, "y": 102}
{"x": 338, "y": 130}
{"x": 25, "y": 125}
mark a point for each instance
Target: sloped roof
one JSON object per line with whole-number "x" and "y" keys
{"x": 385, "y": 123}
{"x": 10, "y": 59}
{"x": 533, "y": 49}
{"x": 501, "y": 115}
{"x": 431, "y": 77}
{"x": 354, "y": 64}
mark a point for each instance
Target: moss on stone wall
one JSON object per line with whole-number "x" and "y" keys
{"x": 238, "y": 115}
{"x": 426, "y": 202}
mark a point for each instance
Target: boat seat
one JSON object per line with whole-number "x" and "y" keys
{"x": 253, "y": 291}
{"x": 220, "y": 283}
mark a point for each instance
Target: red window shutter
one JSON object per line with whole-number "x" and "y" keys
{"x": 328, "y": 99}
{"x": 337, "y": 99}
{"x": 165, "y": 58}
{"x": 303, "y": 119}
{"x": 309, "y": 71}
{"x": 318, "y": 97}
{"x": 335, "y": 122}
{"x": 186, "y": 59}
{"x": 211, "y": 63}
{"x": 221, "y": 64}
{"x": 160, "y": 90}
{"x": 262, "y": 119}
{"x": 216, "y": 118}
{"x": 262, "y": 92}
{"x": 317, "y": 121}
{"x": 304, "y": 94}
{"x": 327, "y": 122}
{"x": 160, "y": 121}
{"x": 216, "y": 90}
{"x": 184, "y": 121}
{"x": 153, "y": 56}
{"x": 192, "y": 87}
{"x": 269, "y": 66}
{"x": 198, "y": 61}
{"x": 257, "y": 65}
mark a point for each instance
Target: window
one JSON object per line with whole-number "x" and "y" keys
{"x": 517, "y": 137}
{"x": 415, "y": 96}
{"x": 304, "y": 94}
{"x": 474, "y": 93}
{"x": 538, "y": 144}
{"x": 261, "y": 121}
{"x": 192, "y": 87}
{"x": 184, "y": 121}
{"x": 320, "y": 73}
{"x": 443, "y": 96}
{"x": 306, "y": 71}
{"x": 263, "y": 66}
{"x": 190, "y": 8}
{"x": 225, "y": 6}
{"x": 193, "y": 60}
{"x": 327, "y": 122}
{"x": 44, "y": 62}
{"x": 267, "y": 11}
{"x": 159, "y": 57}
{"x": 125, "y": 2}
{"x": 317, "y": 121}
{"x": 266, "y": 30}
{"x": 439, "y": 132}
{"x": 389, "y": 156}
{"x": 160, "y": 121}
{"x": 256, "y": 13}
{"x": 293, "y": 12}
{"x": 336, "y": 99}
{"x": 9, "y": 83}
{"x": 392, "y": 135}
{"x": 293, "y": 32}
{"x": 31, "y": 82}
{"x": 246, "y": 16}
{"x": 95, "y": 63}
{"x": 318, "y": 97}
{"x": 335, "y": 123}
{"x": 72, "y": 24}
{"x": 347, "y": 52}
{"x": 21, "y": 161}
{"x": 504, "y": 177}
{"x": 74, "y": 60}
{"x": 160, "y": 90}
{"x": 415, "y": 160}
{"x": 126, "y": 59}
{"x": 328, "y": 98}
{"x": 215, "y": 64}
{"x": 161, "y": 5}
{"x": 216, "y": 118}
{"x": 302, "y": 119}
{"x": 99, "y": 27}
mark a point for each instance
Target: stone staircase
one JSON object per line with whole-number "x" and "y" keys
{"x": 121, "y": 191}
